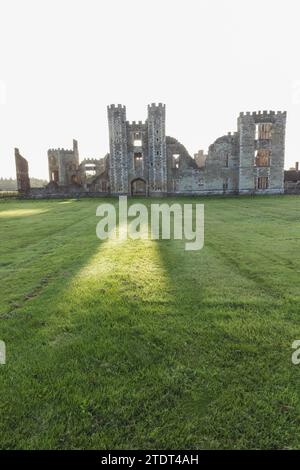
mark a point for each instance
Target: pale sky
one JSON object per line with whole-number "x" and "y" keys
{"x": 63, "y": 61}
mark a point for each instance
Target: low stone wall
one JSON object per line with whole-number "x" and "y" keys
{"x": 292, "y": 187}
{"x": 42, "y": 193}
{"x": 37, "y": 193}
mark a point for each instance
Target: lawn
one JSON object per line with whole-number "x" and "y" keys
{"x": 141, "y": 344}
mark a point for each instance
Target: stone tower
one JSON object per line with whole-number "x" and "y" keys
{"x": 118, "y": 168}
{"x": 157, "y": 152}
{"x": 262, "y": 148}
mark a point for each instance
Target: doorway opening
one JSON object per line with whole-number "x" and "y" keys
{"x": 138, "y": 187}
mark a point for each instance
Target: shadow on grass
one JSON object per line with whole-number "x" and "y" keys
{"x": 127, "y": 347}
{"x": 99, "y": 355}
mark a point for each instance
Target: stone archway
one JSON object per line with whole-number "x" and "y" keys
{"x": 138, "y": 187}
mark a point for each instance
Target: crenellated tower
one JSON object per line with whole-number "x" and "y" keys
{"x": 157, "y": 153}
{"x": 261, "y": 151}
{"x": 118, "y": 167}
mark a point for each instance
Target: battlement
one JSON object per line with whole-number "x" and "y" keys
{"x": 154, "y": 105}
{"x": 135, "y": 123}
{"x": 262, "y": 114}
{"x": 93, "y": 161}
{"x": 62, "y": 150}
{"x": 116, "y": 106}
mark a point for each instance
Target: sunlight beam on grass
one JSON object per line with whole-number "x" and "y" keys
{"x": 125, "y": 270}
{"x": 69, "y": 201}
{"x": 21, "y": 212}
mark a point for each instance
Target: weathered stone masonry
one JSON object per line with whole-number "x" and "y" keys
{"x": 142, "y": 160}
{"x": 23, "y": 182}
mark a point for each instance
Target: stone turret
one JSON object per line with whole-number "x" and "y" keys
{"x": 118, "y": 149}
{"x": 157, "y": 152}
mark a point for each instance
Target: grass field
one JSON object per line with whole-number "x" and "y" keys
{"x": 141, "y": 344}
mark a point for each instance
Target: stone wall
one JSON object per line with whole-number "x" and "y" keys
{"x": 178, "y": 161}
{"x": 292, "y": 181}
{"x": 23, "y": 181}
{"x": 221, "y": 171}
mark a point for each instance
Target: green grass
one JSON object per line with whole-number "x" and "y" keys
{"x": 141, "y": 344}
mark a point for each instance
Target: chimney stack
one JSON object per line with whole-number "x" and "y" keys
{"x": 297, "y": 166}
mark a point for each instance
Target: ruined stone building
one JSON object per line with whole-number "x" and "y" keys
{"x": 66, "y": 173}
{"x": 23, "y": 182}
{"x": 143, "y": 160}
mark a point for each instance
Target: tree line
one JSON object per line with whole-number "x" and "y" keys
{"x": 10, "y": 184}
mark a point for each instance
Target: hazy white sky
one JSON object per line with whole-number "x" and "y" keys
{"x": 63, "y": 61}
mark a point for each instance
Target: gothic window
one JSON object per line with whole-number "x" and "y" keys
{"x": 262, "y": 157}
{"x": 138, "y": 161}
{"x": 175, "y": 158}
{"x": 262, "y": 182}
{"x": 137, "y": 139}
{"x": 263, "y": 131}
{"x": 54, "y": 176}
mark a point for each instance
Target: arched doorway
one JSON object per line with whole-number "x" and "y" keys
{"x": 138, "y": 187}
